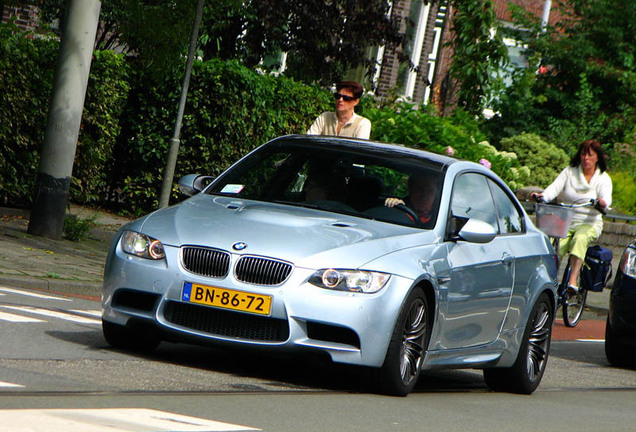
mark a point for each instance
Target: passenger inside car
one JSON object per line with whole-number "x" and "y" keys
{"x": 364, "y": 191}
{"x": 323, "y": 185}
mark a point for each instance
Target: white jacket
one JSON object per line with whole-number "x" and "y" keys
{"x": 574, "y": 189}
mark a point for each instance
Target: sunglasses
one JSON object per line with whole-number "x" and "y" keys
{"x": 345, "y": 98}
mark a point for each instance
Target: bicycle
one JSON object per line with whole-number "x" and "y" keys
{"x": 554, "y": 220}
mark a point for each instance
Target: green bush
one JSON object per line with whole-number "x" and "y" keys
{"x": 230, "y": 110}
{"x": 129, "y": 118}
{"x": 128, "y": 121}
{"x": 26, "y": 74}
{"x": 624, "y": 192}
{"x": 543, "y": 159}
{"x": 75, "y": 228}
{"x": 420, "y": 127}
{"x": 105, "y": 100}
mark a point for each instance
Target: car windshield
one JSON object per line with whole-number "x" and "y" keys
{"x": 339, "y": 179}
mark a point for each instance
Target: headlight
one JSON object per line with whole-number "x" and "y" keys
{"x": 628, "y": 262}
{"x": 350, "y": 280}
{"x": 141, "y": 245}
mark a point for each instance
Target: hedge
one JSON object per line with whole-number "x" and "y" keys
{"x": 129, "y": 118}
{"x": 230, "y": 110}
{"x": 26, "y": 74}
{"x": 128, "y": 121}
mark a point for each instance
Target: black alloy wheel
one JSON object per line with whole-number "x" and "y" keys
{"x": 407, "y": 349}
{"x": 524, "y": 376}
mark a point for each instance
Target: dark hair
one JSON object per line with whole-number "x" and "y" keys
{"x": 587, "y": 147}
{"x": 422, "y": 177}
{"x": 355, "y": 88}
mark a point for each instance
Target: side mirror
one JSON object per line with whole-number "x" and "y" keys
{"x": 192, "y": 184}
{"x": 476, "y": 231}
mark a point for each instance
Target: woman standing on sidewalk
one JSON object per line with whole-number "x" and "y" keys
{"x": 584, "y": 179}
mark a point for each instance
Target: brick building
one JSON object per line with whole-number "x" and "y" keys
{"x": 428, "y": 82}
{"x": 26, "y": 17}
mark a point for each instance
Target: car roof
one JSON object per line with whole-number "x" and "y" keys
{"x": 394, "y": 151}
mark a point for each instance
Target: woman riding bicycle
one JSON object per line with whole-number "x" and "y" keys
{"x": 584, "y": 179}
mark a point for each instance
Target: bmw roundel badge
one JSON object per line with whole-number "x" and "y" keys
{"x": 239, "y": 246}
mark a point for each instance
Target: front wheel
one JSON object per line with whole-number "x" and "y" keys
{"x": 405, "y": 355}
{"x": 573, "y": 305}
{"x": 524, "y": 376}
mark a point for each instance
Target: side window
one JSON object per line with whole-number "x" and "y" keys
{"x": 508, "y": 216}
{"x": 472, "y": 199}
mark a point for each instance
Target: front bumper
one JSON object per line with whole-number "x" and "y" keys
{"x": 352, "y": 328}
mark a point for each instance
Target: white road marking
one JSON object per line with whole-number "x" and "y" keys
{"x": 591, "y": 340}
{"x": 53, "y": 314}
{"x": 32, "y": 294}
{"x": 6, "y": 384}
{"x": 93, "y": 313}
{"x": 108, "y": 420}
{"x": 17, "y": 318}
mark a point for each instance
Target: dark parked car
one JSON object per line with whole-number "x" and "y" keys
{"x": 620, "y": 332}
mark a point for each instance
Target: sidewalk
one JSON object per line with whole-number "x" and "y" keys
{"x": 61, "y": 266}
{"x": 76, "y": 268}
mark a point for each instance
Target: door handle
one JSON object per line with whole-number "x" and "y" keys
{"x": 506, "y": 258}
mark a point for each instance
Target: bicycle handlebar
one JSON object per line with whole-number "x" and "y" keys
{"x": 591, "y": 203}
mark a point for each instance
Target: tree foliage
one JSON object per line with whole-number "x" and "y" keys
{"x": 322, "y": 39}
{"x": 156, "y": 31}
{"x": 479, "y": 53}
{"x": 584, "y": 82}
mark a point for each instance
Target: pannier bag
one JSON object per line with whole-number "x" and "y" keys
{"x": 597, "y": 270}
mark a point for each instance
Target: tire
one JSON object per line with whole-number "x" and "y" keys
{"x": 142, "y": 339}
{"x": 573, "y": 304}
{"x": 524, "y": 376}
{"x": 407, "y": 349}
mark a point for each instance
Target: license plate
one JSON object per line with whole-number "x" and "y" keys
{"x": 226, "y": 298}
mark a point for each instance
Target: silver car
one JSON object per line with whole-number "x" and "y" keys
{"x": 376, "y": 254}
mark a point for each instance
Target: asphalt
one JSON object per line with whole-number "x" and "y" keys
{"x": 76, "y": 268}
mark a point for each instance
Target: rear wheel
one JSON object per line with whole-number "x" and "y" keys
{"x": 134, "y": 338}
{"x": 524, "y": 376}
{"x": 573, "y": 304}
{"x": 405, "y": 355}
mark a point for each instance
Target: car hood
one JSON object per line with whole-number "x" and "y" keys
{"x": 306, "y": 237}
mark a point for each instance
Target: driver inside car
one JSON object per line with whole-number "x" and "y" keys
{"x": 421, "y": 198}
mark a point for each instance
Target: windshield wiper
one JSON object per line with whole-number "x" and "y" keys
{"x": 297, "y": 204}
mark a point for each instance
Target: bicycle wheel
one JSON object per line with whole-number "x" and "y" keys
{"x": 573, "y": 304}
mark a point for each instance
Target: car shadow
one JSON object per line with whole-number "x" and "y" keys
{"x": 286, "y": 371}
